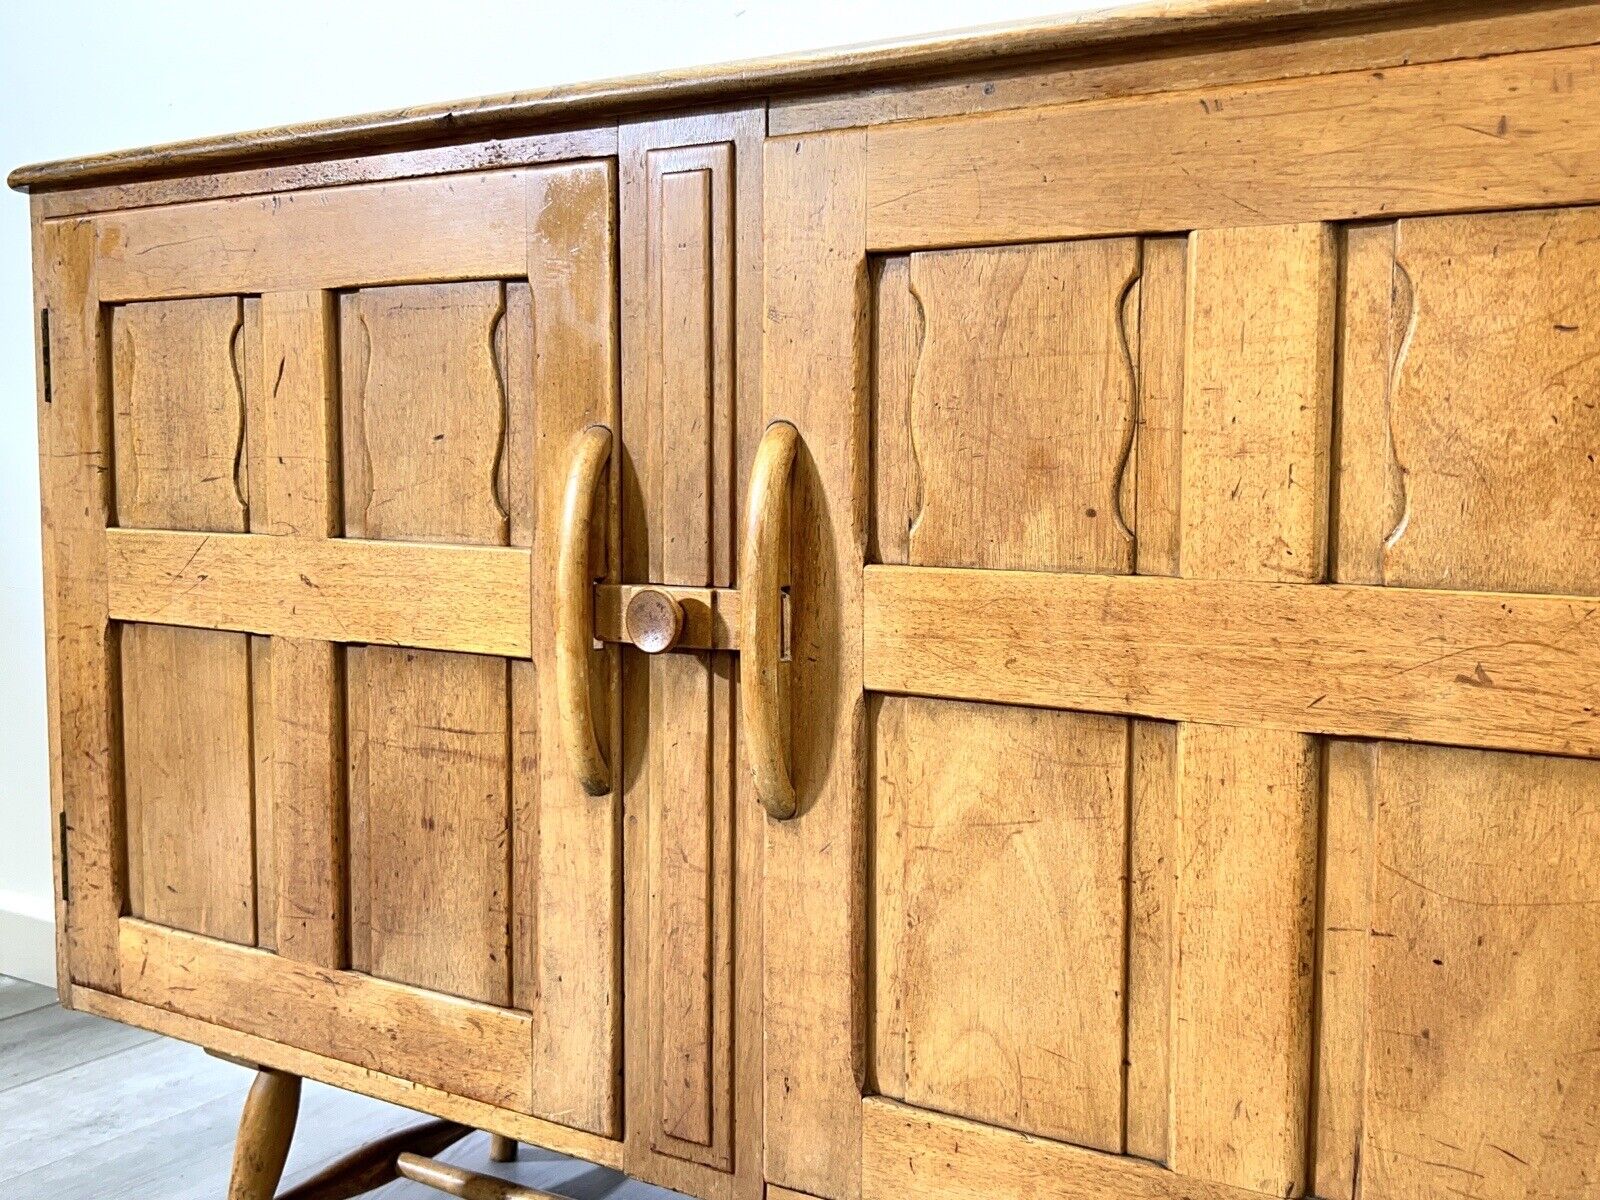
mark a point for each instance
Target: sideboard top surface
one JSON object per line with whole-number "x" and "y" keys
{"x": 1153, "y": 28}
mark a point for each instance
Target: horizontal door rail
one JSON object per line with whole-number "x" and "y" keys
{"x": 460, "y": 1046}
{"x": 469, "y": 598}
{"x": 1500, "y": 671}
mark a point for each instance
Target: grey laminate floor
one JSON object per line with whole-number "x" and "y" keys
{"x": 93, "y": 1110}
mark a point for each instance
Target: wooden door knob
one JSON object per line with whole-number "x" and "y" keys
{"x": 653, "y": 621}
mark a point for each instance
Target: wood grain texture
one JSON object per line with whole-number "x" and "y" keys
{"x": 1455, "y": 929}
{"x": 44, "y": 386}
{"x": 1094, "y": 32}
{"x": 1010, "y": 928}
{"x": 434, "y": 778}
{"x": 1500, "y": 482}
{"x": 1391, "y": 142}
{"x": 1344, "y": 951}
{"x": 691, "y": 332}
{"x": 322, "y": 238}
{"x": 179, "y": 414}
{"x": 1022, "y": 407}
{"x": 1004, "y": 424}
{"x": 569, "y": 857}
{"x": 678, "y": 230}
{"x": 178, "y": 379}
{"x": 1258, "y": 397}
{"x": 187, "y": 745}
{"x": 425, "y": 399}
{"x": 1381, "y": 40}
{"x": 1258, "y": 403}
{"x": 367, "y": 1080}
{"x": 815, "y": 375}
{"x": 1483, "y": 959}
{"x": 468, "y": 598}
{"x": 907, "y": 1152}
{"x": 1345, "y": 660}
{"x": 1242, "y": 944}
{"x": 496, "y": 153}
{"x": 470, "y": 1049}
{"x": 265, "y": 1129}
{"x": 85, "y": 695}
{"x": 292, "y": 433}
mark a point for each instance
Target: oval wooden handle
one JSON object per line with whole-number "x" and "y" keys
{"x": 762, "y": 705}
{"x": 574, "y": 617}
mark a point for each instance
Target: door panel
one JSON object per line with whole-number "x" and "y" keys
{"x": 425, "y": 404}
{"x": 1004, "y": 422}
{"x": 1459, "y": 961}
{"x": 178, "y": 379}
{"x": 351, "y": 810}
{"x": 1003, "y": 1001}
{"x": 690, "y": 415}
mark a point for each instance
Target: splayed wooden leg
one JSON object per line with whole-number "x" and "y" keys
{"x": 265, "y": 1129}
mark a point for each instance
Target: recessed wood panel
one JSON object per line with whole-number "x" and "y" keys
{"x": 425, "y": 402}
{"x": 179, "y": 408}
{"x": 679, "y": 427}
{"x": 1480, "y": 370}
{"x": 1004, "y": 415}
{"x": 1008, "y": 910}
{"x": 1006, "y": 403}
{"x": 1485, "y": 957}
{"x": 187, "y": 745}
{"x": 178, "y": 379}
{"x": 1459, "y": 961}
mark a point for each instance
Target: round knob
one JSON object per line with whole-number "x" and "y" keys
{"x": 653, "y": 621}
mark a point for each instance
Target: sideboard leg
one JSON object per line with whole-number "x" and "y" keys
{"x": 502, "y": 1149}
{"x": 265, "y": 1129}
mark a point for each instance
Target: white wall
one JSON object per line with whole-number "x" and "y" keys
{"x": 101, "y": 74}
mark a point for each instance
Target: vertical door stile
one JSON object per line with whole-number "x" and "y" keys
{"x": 816, "y": 355}
{"x": 690, "y": 196}
{"x": 84, "y": 685}
{"x": 571, "y": 958}
{"x": 299, "y": 683}
{"x": 1257, "y": 414}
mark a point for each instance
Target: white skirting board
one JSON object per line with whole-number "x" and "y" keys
{"x": 27, "y": 938}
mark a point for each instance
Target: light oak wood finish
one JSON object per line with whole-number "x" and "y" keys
{"x": 1344, "y": 660}
{"x": 456, "y": 1181}
{"x": 574, "y": 611}
{"x": 1105, "y": 30}
{"x": 1185, "y": 625}
{"x": 763, "y": 699}
{"x": 373, "y": 1165}
{"x": 292, "y": 440}
{"x": 566, "y": 865}
{"x": 813, "y": 906}
{"x": 501, "y": 1149}
{"x": 1389, "y": 142}
{"x": 471, "y": 599}
{"x": 367, "y": 1080}
{"x": 265, "y": 1129}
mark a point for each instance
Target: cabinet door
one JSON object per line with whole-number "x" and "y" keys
{"x": 304, "y": 458}
{"x": 1194, "y": 698}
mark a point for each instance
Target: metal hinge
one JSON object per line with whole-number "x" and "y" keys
{"x": 61, "y": 832}
{"x": 44, "y": 342}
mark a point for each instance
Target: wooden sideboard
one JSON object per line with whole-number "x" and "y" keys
{"x": 1003, "y": 617}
